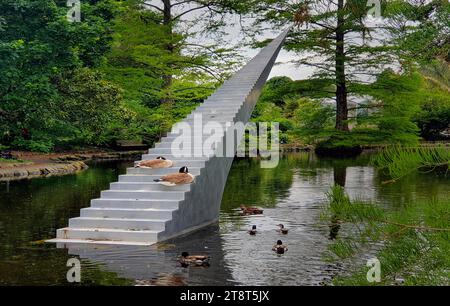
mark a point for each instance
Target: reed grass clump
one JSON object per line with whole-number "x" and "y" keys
{"x": 398, "y": 162}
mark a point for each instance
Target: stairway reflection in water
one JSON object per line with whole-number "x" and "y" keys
{"x": 158, "y": 264}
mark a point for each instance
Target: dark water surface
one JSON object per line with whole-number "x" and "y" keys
{"x": 294, "y": 194}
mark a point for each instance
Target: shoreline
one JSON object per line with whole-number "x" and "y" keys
{"x": 31, "y": 165}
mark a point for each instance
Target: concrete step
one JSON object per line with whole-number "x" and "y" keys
{"x": 150, "y": 186}
{"x": 207, "y": 118}
{"x": 102, "y": 234}
{"x": 157, "y": 173}
{"x": 184, "y": 138}
{"x": 193, "y": 133}
{"x": 168, "y": 152}
{"x": 183, "y": 144}
{"x": 138, "y": 178}
{"x": 127, "y": 213}
{"x": 183, "y": 162}
{"x": 163, "y": 171}
{"x": 212, "y": 107}
{"x": 177, "y": 159}
{"x": 143, "y": 195}
{"x": 134, "y": 203}
{"x": 115, "y": 223}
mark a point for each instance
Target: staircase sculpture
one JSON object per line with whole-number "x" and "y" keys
{"x": 138, "y": 211}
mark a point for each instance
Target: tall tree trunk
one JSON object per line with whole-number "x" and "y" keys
{"x": 168, "y": 78}
{"x": 341, "y": 88}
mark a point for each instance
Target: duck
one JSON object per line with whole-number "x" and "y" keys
{"x": 251, "y": 210}
{"x": 279, "y": 248}
{"x": 158, "y": 162}
{"x": 193, "y": 260}
{"x": 173, "y": 179}
{"x": 253, "y": 230}
{"x": 282, "y": 229}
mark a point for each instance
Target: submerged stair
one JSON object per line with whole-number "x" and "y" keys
{"x": 138, "y": 211}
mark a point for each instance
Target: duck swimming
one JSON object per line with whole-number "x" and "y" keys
{"x": 282, "y": 229}
{"x": 159, "y": 162}
{"x": 253, "y": 230}
{"x": 182, "y": 177}
{"x": 251, "y": 210}
{"x": 193, "y": 260}
{"x": 279, "y": 247}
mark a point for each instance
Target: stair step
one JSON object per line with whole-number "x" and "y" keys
{"x": 137, "y": 178}
{"x": 103, "y": 234}
{"x": 185, "y": 144}
{"x": 150, "y": 186}
{"x": 175, "y": 158}
{"x": 144, "y": 195}
{"x": 133, "y": 203}
{"x": 163, "y": 171}
{"x": 169, "y": 152}
{"x": 118, "y": 223}
{"x": 127, "y": 213}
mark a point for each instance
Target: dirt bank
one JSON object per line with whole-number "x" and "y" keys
{"x": 27, "y": 165}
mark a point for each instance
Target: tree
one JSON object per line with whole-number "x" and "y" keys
{"x": 335, "y": 37}
{"x": 181, "y": 53}
{"x": 421, "y": 29}
{"x": 37, "y": 45}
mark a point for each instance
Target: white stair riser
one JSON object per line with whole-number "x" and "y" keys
{"x": 103, "y": 235}
{"x": 169, "y": 151}
{"x": 185, "y": 145}
{"x": 107, "y": 203}
{"x": 163, "y": 171}
{"x": 195, "y": 161}
{"x": 151, "y": 186}
{"x": 125, "y": 224}
{"x": 150, "y": 172}
{"x": 134, "y": 178}
{"x": 127, "y": 214}
{"x": 144, "y": 195}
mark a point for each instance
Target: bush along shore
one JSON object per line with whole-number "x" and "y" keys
{"x": 27, "y": 165}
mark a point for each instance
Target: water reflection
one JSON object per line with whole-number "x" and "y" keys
{"x": 158, "y": 264}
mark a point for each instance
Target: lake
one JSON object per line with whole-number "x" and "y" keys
{"x": 294, "y": 194}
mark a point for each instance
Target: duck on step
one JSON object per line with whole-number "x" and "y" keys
{"x": 187, "y": 260}
{"x": 173, "y": 179}
{"x": 159, "y": 162}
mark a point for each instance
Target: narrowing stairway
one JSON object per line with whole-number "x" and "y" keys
{"x": 138, "y": 211}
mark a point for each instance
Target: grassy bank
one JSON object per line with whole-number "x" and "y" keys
{"x": 413, "y": 240}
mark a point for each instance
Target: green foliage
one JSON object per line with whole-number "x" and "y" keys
{"x": 37, "y": 46}
{"x": 415, "y": 239}
{"x": 400, "y": 161}
{"x": 425, "y": 36}
{"x": 88, "y": 104}
{"x": 434, "y": 116}
{"x": 314, "y": 119}
{"x": 52, "y": 94}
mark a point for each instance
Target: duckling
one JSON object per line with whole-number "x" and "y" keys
{"x": 251, "y": 210}
{"x": 279, "y": 247}
{"x": 182, "y": 177}
{"x": 282, "y": 229}
{"x": 159, "y": 162}
{"x": 193, "y": 260}
{"x": 253, "y": 230}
